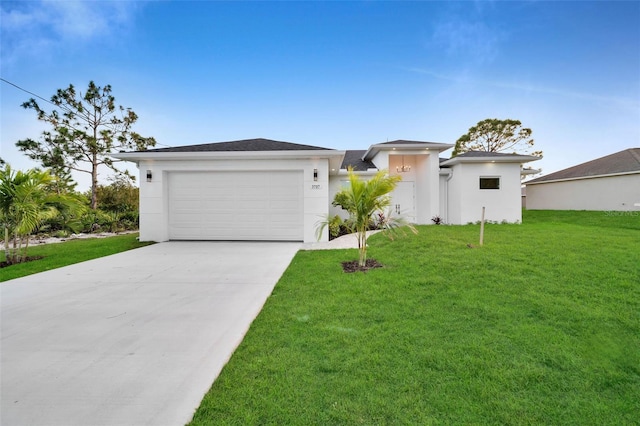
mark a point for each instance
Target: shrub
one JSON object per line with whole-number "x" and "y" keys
{"x": 120, "y": 196}
{"x": 334, "y": 226}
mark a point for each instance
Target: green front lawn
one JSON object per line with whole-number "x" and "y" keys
{"x": 67, "y": 253}
{"x": 539, "y": 326}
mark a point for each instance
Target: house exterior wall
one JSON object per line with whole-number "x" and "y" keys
{"x": 154, "y": 195}
{"x": 618, "y": 193}
{"x": 465, "y": 199}
{"x": 336, "y": 183}
{"x": 443, "y": 188}
{"x": 424, "y": 174}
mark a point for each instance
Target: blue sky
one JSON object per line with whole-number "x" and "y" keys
{"x": 341, "y": 75}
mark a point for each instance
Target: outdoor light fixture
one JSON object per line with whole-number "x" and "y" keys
{"x": 403, "y": 168}
{"x": 315, "y": 175}
{"x": 149, "y": 176}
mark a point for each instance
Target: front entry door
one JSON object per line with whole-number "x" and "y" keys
{"x": 403, "y": 201}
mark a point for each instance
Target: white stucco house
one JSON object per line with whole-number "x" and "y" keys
{"x": 611, "y": 182}
{"x": 260, "y": 189}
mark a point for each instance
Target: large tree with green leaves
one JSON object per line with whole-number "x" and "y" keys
{"x": 85, "y": 130}
{"x": 495, "y": 135}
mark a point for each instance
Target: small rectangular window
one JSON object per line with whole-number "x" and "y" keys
{"x": 489, "y": 183}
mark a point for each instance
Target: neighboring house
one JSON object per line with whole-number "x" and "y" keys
{"x": 260, "y": 189}
{"x": 607, "y": 183}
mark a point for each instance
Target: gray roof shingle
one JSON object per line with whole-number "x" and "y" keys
{"x": 354, "y": 159}
{"x": 258, "y": 144}
{"x": 626, "y": 161}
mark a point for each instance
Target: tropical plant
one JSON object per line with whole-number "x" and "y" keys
{"x": 362, "y": 199}
{"x": 24, "y": 204}
{"x": 333, "y": 222}
{"x": 392, "y": 225}
{"x": 71, "y": 207}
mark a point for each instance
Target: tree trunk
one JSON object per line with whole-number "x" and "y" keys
{"x": 26, "y": 248}
{"x": 14, "y": 251}
{"x": 362, "y": 243}
{"x": 19, "y": 250}
{"x": 7, "y": 250}
{"x": 94, "y": 182}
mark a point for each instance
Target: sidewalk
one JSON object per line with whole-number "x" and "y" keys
{"x": 345, "y": 242}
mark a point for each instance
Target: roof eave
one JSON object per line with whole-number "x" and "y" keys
{"x": 520, "y": 159}
{"x": 427, "y": 146}
{"x": 368, "y": 172}
{"x": 334, "y": 156}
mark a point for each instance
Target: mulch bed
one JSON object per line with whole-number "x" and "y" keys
{"x": 352, "y": 266}
{"x": 28, "y": 259}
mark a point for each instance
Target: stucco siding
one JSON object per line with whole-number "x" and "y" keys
{"x": 423, "y": 174}
{"x": 466, "y": 199}
{"x": 154, "y": 195}
{"x": 620, "y": 193}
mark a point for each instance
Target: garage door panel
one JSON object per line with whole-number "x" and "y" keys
{"x": 283, "y": 205}
{"x": 219, "y": 192}
{"x": 249, "y": 218}
{"x": 189, "y": 205}
{"x": 281, "y": 180}
{"x": 214, "y": 234}
{"x": 285, "y": 193}
{"x": 248, "y": 204}
{"x": 236, "y": 205}
{"x": 217, "y": 205}
{"x": 223, "y": 218}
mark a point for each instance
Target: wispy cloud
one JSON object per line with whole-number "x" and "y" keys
{"x": 35, "y": 28}
{"x": 627, "y": 103}
{"x": 472, "y": 40}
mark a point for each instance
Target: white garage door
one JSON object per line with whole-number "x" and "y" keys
{"x": 236, "y": 206}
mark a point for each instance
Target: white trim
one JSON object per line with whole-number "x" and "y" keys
{"x": 491, "y": 159}
{"x": 335, "y": 157}
{"x": 419, "y": 147}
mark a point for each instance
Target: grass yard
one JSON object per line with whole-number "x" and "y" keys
{"x": 68, "y": 253}
{"x": 539, "y": 326}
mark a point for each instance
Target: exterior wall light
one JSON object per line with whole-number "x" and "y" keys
{"x": 315, "y": 175}
{"x": 149, "y": 176}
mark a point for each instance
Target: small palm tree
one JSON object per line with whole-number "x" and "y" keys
{"x": 24, "y": 204}
{"x": 362, "y": 199}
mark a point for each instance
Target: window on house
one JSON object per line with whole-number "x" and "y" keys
{"x": 489, "y": 183}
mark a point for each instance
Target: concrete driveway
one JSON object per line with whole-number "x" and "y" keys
{"x": 135, "y": 338}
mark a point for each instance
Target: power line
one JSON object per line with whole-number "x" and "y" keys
{"x": 49, "y": 102}
{"x": 26, "y": 91}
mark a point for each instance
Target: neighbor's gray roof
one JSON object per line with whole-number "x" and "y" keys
{"x": 627, "y": 161}
{"x": 258, "y": 144}
{"x": 354, "y": 159}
